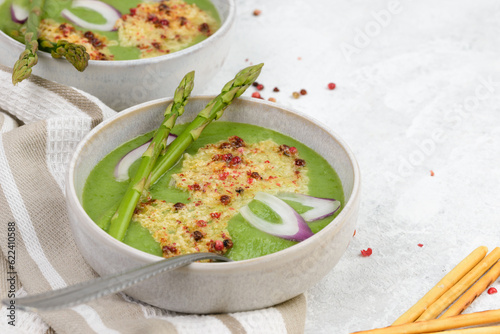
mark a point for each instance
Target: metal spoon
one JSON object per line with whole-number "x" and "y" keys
{"x": 102, "y": 286}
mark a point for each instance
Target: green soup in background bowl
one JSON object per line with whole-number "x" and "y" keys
{"x": 217, "y": 287}
{"x": 124, "y": 83}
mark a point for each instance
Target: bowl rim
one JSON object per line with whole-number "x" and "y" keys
{"x": 223, "y": 30}
{"x": 270, "y": 259}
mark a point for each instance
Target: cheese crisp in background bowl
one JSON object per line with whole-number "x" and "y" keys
{"x": 217, "y": 287}
{"x": 124, "y": 83}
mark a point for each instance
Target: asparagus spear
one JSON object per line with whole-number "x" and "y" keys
{"x": 74, "y": 53}
{"x": 213, "y": 111}
{"x": 121, "y": 219}
{"x": 28, "y": 58}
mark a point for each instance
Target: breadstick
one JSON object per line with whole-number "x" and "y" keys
{"x": 436, "y": 325}
{"x": 468, "y": 297}
{"x": 476, "y": 330}
{"x": 443, "y": 285}
{"x": 461, "y": 286}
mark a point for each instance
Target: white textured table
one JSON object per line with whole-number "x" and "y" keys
{"x": 418, "y": 90}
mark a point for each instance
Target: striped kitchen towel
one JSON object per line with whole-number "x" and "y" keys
{"x": 41, "y": 122}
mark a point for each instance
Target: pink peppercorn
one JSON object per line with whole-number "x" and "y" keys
{"x": 260, "y": 86}
{"x": 256, "y": 95}
{"x": 492, "y": 291}
{"x": 366, "y": 252}
{"x": 331, "y": 86}
{"x": 235, "y": 161}
{"x": 219, "y": 245}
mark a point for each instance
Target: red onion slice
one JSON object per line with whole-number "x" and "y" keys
{"x": 122, "y": 167}
{"x": 110, "y": 13}
{"x": 293, "y": 226}
{"x": 321, "y": 207}
{"x": 18, "y": 14}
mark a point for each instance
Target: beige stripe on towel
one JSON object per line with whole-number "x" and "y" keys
{"x": 290, "y": 311}
{"x": 72, "y": 96}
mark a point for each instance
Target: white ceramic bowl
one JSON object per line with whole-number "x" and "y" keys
{"x": 125, "y": 83}
{"x": 217, "y": 287}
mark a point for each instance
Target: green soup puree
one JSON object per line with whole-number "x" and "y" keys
{"x": 142, "y": 29}
{"x": 102, "y": 191}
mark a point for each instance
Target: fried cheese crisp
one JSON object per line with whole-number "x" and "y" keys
{"x": 220, "y": 178}
{"x": 95, "y": 44}
{"x": 159, "y": 28}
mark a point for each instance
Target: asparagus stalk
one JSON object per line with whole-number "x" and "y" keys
{"x": 74, "y": 53}
{"x": 121, "y": 219}
{"x": 213, "y": 111}
{"x": 28, "y": 58}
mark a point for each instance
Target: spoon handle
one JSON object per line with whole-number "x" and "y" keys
{"x": 102, "y": 286}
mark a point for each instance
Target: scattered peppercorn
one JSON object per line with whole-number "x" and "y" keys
{"x": 260, "y": 87}
{"x": 96, "y": 43}
{"x": 331, "y": 86}
{"x": 256, "y": 95}
{"x": 224, "y": 145}
{"x": 366, "y": 252}
{"x": 197, "y": 235}
{"x": 293, "y": 150}
{"x": 420, "y": 245}
{"x": 228, "y": 243}
{"x": 492, "y": 291}
{"x": 255, "y": 83}
{"x": 152, "y": 18}
{"x": 272, "y": 99}
{"x": 285, "y": 149}
{"x": 169, "y": 249}
{"x": 432, "y": 173}
{"x": 303, "y": 92}
{"x": 219, "y": 245}
{"x": 295, "y": 95}
{"x": 225, "y": 199}
{"x": 300, "y": 162}
{"x": 227, "y": 157}
{"x": 201, "y": 223}
{"x": 240, "y": 190}
{"x": 256, "y": 176}
{"x": 204, "y": 28}
{"x": 276, "y": 89}
{"x": 179, "y": 205}
{"x": 87, "y": 34}
{"x": 235, "y": 161}
{"x": 236, "y": 142}
{"x": 215, "y": 215}
{"x": 162, "y": 7}
{"x": 257, "y": 12}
